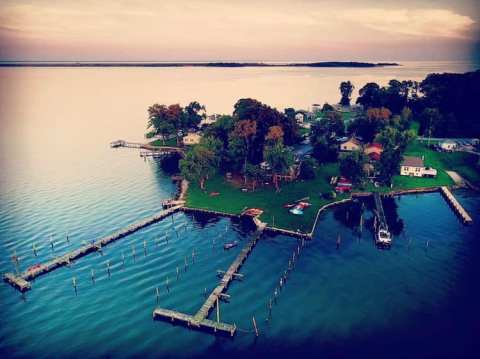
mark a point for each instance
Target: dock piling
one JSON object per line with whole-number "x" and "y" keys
{"x": 255, "y": 326}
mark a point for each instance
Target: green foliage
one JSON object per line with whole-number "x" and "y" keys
{"x": 351, "y": 166}
{"x": 346, "y": 88}
{"x": 199, "y": 164}
{"x": 279, "y": 158}
{"x": 307, "y": 169}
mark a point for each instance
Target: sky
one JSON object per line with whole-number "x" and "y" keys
{"x": 243, "y": 30}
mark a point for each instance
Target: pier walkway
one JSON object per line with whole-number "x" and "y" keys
{"x": 199, "y": 320}
{"x": 22, "y": 281}
{"x": 379, "y": 210}
{"x": 457, "y": 207}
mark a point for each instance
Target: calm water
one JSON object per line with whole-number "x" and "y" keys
{"x": 58, "y": 174}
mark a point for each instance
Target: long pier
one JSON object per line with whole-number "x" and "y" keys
{"x": 22, "y": 281}
{"x": 379, "y": 209}
{"x": 456, "y": 206}
{"x": 199, "y": 320}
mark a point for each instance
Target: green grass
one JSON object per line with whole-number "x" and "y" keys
{"x": 463, "y": 163}
{"x": 233, "y": 200}
{"x": 171, "y": 142}
{"x": 415, "y": 126}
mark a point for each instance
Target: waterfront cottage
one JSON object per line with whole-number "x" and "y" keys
{"x": 352, "y": 144}
{"x": 373, "y": 151}
{"x": 191, "y": 139}
{"x": 414, "y": 167}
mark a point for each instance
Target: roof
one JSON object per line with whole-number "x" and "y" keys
{"x": 375, "y": 145}
{"x": 352, "y": 140}
{"x": 411, "y": 161}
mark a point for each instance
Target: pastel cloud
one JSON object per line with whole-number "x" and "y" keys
{"x": 423, "y": 22}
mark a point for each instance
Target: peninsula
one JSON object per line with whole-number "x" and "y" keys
{"x": 290, "y": 165}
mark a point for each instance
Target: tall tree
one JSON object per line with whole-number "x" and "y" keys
{"x": 199, "y": 164}
{"x": 280, "y": 160}
{"x": 351, "y": 166}
{"x": 346, "y": 89}
{"x": 245, "y": 129}
{"x": 193, "y": 115}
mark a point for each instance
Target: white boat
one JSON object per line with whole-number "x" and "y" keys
{"x": 383, "y": 237}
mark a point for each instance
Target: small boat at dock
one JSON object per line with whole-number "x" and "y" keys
{"x": 383, "y": 237}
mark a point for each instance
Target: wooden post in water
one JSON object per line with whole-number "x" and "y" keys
{"x": 186, "y": 265}
{"x": 133, "y": 252}
{"x": 51, "y": 241}
{"x": 167, "y": 285}
{"x": 158, "y": 294}
{"x": 66, "y": 237}
{"x": 34, "y": 249}
{"x": 15, "y": 261}
{"x": 218, "y": 311}
{"x": 108, "y": 268}
{"x": 339, "y": 239}
{"x": 255, "y": 326}
{"x": 193, "y": 255}
{"x": 93, "y": 275}
{"x": 178, "y": 272}
{"x": 74, "y": 283}
{"x": 145, "y": 248}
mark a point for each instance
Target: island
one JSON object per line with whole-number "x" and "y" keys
{"x": 190, "y": 64}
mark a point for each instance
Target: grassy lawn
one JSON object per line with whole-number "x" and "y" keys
{"x": 463, "y": 163}
{"x": 415, "y": 126}
{"x": 172, "y": 142}
{"x": 431, "y": 159}
{"x": 233, "y": 200}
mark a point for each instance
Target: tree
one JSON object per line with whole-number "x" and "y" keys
{"x": 245, "y": 129}
{"x": 351, "y": 166}
{"x": 430, "y": 121}
{"x": 166, "y": 120}
{"x": 327, "y": 107}
{"x": 389, "y": 164}
{"x": 307, "y": 169}
{"x": 255, "y": 173}
{"x": 324, "y": 152}
{"x": 280, "y": 160}
{"x": 380, "y": 114}
{"x": 346, "y": 88}
{"x": 370, "y": 95}
{"x": 193, "y": 115}
{"x": 199, "y": 164}
{"x": 275, "y": 134}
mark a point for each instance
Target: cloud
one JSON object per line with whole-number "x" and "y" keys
{"x": 418, "y": 22}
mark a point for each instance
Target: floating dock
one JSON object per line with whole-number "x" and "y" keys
{"x": 199, "y": 321}
{"x": 457, "y": 207}
{"x": 22, "y": 281}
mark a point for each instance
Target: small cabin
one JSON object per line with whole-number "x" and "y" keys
{"x": 352, "y": 144}
{"x": 191, "y": 139}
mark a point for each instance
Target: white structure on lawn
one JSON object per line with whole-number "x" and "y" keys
{"x": 414, "y": 167}
{"x": 448, "y": 145}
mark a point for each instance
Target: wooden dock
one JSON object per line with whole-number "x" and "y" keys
{"x": 456, "y": 206}
{"x": 199, "y": 320}
{"x": 22, "y": 281}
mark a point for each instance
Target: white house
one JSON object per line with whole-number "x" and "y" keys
{"x": 300, "y": 117}
{"x": 191, "y": 139}
{"x": 447, "y": 145}
{"x": 414, "y": 167}
{"x": 352, "y": 144}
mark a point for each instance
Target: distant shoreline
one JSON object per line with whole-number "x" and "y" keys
{"x": 194, "y": 64}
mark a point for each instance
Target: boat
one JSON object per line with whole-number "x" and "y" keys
{"x": 230, "y": 245}
{"x": 383, "y": 237}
